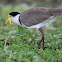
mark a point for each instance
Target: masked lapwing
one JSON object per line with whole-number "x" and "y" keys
{"x": 35, "y": 18}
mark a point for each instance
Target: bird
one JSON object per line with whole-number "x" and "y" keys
{"x": 35, "y": 18}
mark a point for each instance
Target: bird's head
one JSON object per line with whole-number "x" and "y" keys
{"x": 10, "y": 16}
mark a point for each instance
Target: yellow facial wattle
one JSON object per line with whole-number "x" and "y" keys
{"x": 9, "y": 20}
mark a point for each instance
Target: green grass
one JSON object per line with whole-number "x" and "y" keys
{"x": 24, "y": 46}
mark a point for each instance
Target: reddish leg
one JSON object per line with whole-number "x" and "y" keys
{"x": 42, "y": 37}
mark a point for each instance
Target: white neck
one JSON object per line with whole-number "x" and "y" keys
{"x": 15, "y": 19}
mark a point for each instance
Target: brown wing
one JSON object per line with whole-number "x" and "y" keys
{"x": 34, "y": 16}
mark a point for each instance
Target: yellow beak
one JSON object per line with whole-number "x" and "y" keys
{"x": 9, "y": 20}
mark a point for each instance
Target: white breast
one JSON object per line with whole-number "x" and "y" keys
{"x": 15, "y": 19}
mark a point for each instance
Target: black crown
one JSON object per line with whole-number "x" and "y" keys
{"x": 14, "y": 13}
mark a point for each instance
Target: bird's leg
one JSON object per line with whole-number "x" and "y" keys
{"x": 42, "y": 37}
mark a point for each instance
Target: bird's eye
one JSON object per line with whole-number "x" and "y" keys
{"x": 10, "y": 16}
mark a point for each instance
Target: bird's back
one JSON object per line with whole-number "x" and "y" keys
{"x": 37, "y": 15}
